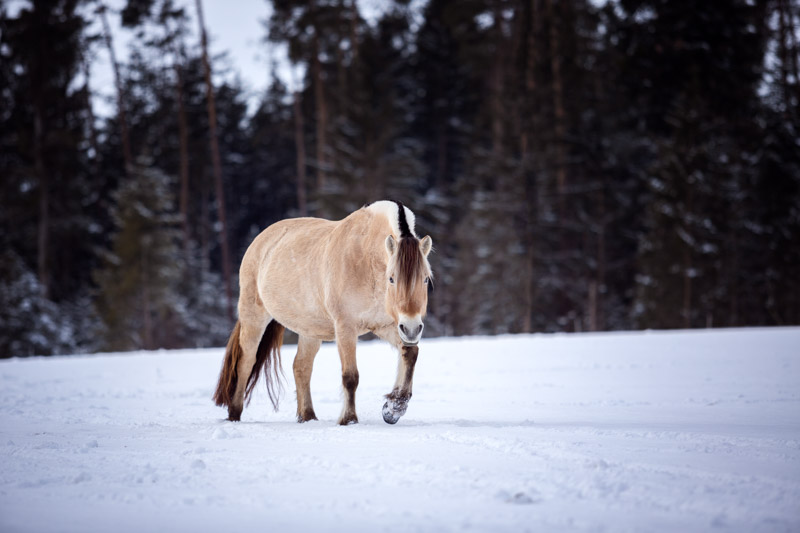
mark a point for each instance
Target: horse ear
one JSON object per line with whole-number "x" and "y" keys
{"x": 425, "y": 245}
{"x": 391, "y": 245}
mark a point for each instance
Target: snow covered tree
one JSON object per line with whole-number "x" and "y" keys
{"x": 138, "y": 299}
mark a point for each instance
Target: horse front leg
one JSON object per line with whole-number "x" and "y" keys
{"x": 346, "y": 341}
{"x": 397, "y": 400}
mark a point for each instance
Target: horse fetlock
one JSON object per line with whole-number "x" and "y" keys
{"x": 348, "y": 418}
{"x": 235, "y": 413}
{"x": 306, "y": 415}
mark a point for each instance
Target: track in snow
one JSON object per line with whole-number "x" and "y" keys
{"x": 672, "y": 431}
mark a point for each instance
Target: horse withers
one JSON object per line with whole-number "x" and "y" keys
{"x": 327, "y": 280}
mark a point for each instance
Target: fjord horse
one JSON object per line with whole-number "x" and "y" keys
{"x": 327, "y": 281}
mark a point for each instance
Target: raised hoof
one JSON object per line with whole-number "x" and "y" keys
{"x": 234, "y": 413}
{"x": 389, "y": 416}
{"x": 394, "y": 408}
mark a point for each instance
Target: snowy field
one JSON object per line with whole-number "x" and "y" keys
{"x": 674, "y": 431}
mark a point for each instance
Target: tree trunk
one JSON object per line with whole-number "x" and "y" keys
{"x": 44, "y": 200}
{"x": 127, "y": 156}
{"x": 733, "y": 272}
{"x": 601, "y": 259}
{"x": 90, "y": 112}
{"x": 205, "y": 245}
{"x": 687, "y": 287}
{"x": 322, "y": 117}
{"x": 147, "y": 323}
{"x": 792, "y": 50}
{"x": 559, "y": 123}
{"x": 526, "y": 105}
{"x": 783, "y": 47}
{"x": 687, "y": 263}
{"x": 441, "y": 153}
{"x": 496, "y": 84}
{"x": 353, "y": 31}
{"x": 216, "y": 161}
{"x": 593, "y": 305}
{"x": 300, "y": 145}
{"x": 341, "y": 71}
{"x": 183, "y": 136}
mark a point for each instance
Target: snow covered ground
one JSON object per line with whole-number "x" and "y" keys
{"x": 672, "y": 431}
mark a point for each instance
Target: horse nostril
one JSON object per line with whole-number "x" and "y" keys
{"x": 419, "y": 329}
{"x": 403, "y": 329}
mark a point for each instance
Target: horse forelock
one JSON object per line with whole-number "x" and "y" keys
{"x": 409, "y": 264}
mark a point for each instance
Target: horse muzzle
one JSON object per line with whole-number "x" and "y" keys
{"x": 410, "y": 330}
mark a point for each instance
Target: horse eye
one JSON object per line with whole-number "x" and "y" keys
{"x": 391, "y": 280}
{"x": 427, "y": 280}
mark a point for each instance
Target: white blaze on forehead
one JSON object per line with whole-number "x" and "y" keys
{"x": 390, "y": 210}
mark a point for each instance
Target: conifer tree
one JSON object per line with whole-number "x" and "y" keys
{"x": 138, "y": 284}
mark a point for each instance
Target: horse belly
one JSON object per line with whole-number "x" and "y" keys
{"x": 314, "y": 328}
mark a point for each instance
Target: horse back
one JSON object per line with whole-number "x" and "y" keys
{"x": 309, "y": 273}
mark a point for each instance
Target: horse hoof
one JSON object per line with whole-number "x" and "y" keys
{"x": 349, "y": 419}
{"x": 390, "y": 415}
{"x": 234, "y": 413}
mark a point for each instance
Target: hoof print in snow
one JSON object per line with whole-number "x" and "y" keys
{"x": 221, "y": 434}
{"x": 80, "y": 478}
{"x": 518, "y": 498}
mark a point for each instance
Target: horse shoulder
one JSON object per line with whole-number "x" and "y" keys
{"x": 356, "y": 264}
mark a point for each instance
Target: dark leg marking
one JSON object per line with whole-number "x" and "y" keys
{"x": 350, "y": 383}
{"x": 306, "y": 415}
{"x": 234, "y": 413}
{"x": 397, "y": 400}
{"x": 410, "y": 355}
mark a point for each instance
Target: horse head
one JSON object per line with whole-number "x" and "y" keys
{"x": 408, "y": 275}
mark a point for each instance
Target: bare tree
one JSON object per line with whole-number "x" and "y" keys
{"x": 559, "y": 122}
{"x": 183, "y": 140}
{"x": 322, "y": 113}
{"x": 301, "y": 154}
{"x": 216, "y": 161}
{"x": 123, "y": 123}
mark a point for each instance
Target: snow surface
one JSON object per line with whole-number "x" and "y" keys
{"x": 669, "y": 431}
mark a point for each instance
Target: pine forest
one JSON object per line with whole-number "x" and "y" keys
{"x": 581, "y": 165}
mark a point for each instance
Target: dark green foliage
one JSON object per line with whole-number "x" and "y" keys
{"x": 579, "y": 166}
{"x": 138, "y": 284}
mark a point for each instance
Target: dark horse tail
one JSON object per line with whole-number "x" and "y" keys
{"x": 268, "y": 356}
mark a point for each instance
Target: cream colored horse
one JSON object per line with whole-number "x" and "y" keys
{"x": 328, "y": 281}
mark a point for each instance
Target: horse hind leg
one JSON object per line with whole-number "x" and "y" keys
{"x": 239, "y": 363}
{"x": 249, "y": 339}
{"x": 307, "y": 349}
